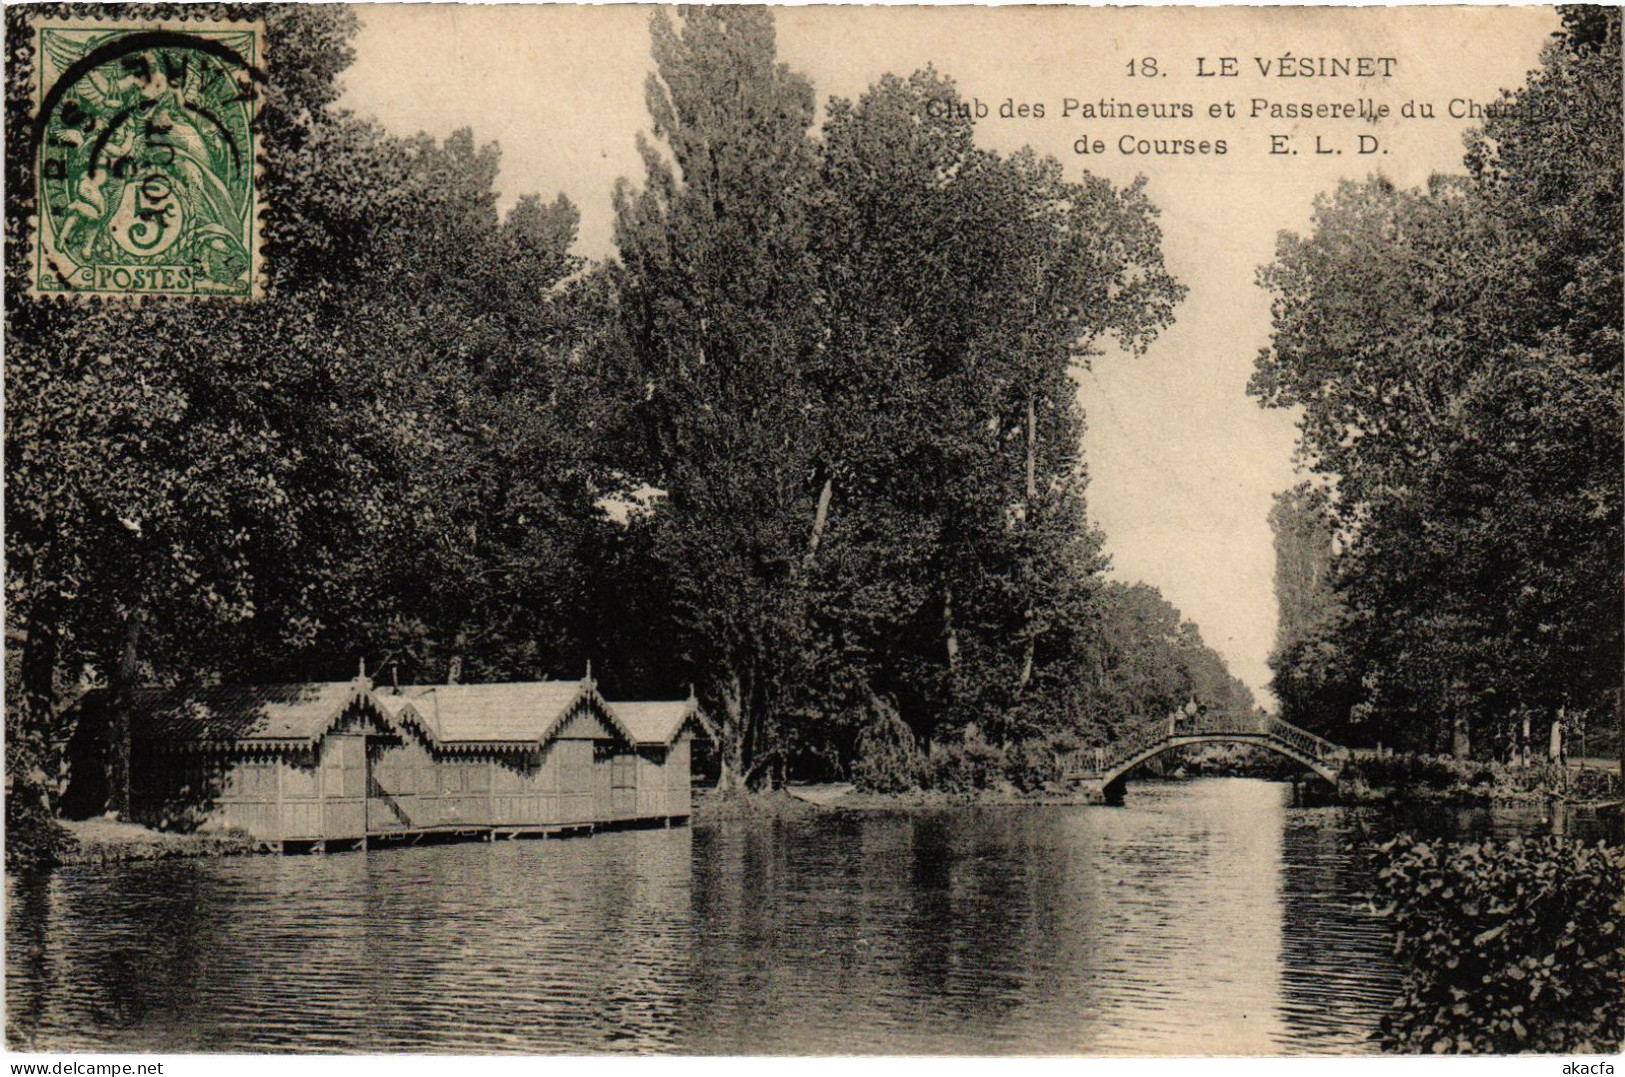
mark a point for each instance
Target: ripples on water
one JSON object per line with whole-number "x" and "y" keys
{"x": 1202, "y": 917}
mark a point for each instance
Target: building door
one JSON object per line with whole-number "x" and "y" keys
{"x": 385, "y": 811}
{"x": 344, "y": 786}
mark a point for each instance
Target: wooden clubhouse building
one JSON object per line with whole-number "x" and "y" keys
{"x": 347, "y": 764}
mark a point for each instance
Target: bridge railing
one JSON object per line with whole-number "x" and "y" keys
{"x": 1136, "y": 737}
{"x": 1148, "y": 732}
{"x": 1317, "y": 748}
{"x": 1217, "y": 723}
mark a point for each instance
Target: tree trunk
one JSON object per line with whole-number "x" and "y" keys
{"x": 1030, "y": 646}
{"x": 950, "y": 633}
{"x": 1461, "y": 745}
{"x": 759, "y": 732}
{"x": 731, "y": 741}
{"x": 124, "y": 684}
{"x": 36, "y": 678}
{"x": 30, "y": 719}
{"x": 820, "y": 520}
{"x": 1032, "y": 454}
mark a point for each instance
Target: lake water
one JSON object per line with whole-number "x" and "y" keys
{"x": 1208, "y": 916}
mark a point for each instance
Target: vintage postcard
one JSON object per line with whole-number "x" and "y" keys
{"x": 821, "y": 530}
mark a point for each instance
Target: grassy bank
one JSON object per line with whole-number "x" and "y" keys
{"x": 858, "y": 801}
{"x": 108, "y": 841}
{"x": 799, "y": 802}
{"x": 711, "y": 807}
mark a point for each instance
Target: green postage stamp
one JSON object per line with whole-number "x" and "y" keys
{"x": 146, "y": 140}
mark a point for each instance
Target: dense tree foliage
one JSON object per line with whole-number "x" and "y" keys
{"x": 271, "y": 490}
{"x": 1145, "y": 659}
{"x": 1456, "y": 355}
{"x": 810, "y": 443}
{"x": 1311, "y": 675}
{"x": 167, "y": 478}
{"x": 720, "y": 323}
{"x": 858, "y": 352}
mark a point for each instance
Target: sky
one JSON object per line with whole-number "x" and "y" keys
{"x": 1183, "y": 464}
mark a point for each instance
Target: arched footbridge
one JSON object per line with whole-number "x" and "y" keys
{"x": 1106, "y": 767}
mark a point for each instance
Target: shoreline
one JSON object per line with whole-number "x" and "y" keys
{"x": 799, "y": 801}
{"x": 110, "y": 841}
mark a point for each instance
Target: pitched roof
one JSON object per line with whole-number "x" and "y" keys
{"x": 523, "y": 712}
{"x": 656, "y": 722}
{"x": 449, "y": 715}
{"x": 397, "y": 707}
{"x": 259, "y": 714}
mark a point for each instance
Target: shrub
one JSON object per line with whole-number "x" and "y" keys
{"x": 1506, "y": 948}
{"x": 1593, "y": 784}
{"x": 1476, "y": 780}
{"x": 34, "y": 839}
{"x": 1407, "y": 772}
{"x": 1031, "y": 765}
{"x": 966, "y": 767}
{"x": 888, "y": 759}
{"x": 1234, "y": 759}
{"x": 1547, "y": 778}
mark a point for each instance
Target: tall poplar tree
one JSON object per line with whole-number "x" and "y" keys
{"x": 962, "y": 291}
{"x": 720, "y": 322}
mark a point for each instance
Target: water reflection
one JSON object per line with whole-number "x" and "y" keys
{"x": 1203, "y": 917}
{"x": 475, "y": 948}
{"x": 1336, "y": 971}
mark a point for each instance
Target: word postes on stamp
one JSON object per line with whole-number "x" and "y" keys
{"x": 145, "y": 158}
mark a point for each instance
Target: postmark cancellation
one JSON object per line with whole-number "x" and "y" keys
{"x": 146, "y": 163}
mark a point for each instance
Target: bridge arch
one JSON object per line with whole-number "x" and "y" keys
{"x": 1107, "y": 768}
{"x": 1118, "y": 773}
